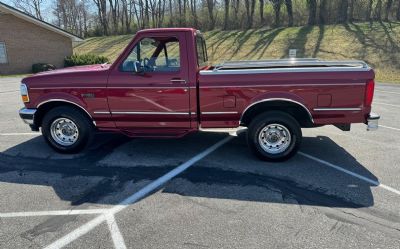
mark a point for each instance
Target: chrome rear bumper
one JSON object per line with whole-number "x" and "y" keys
{"x": 372, "y": 122}
{"x": 27, "y": 115}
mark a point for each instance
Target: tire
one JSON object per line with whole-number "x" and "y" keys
{"x": 66, "y": 129}
{"x": 274, "y": 136}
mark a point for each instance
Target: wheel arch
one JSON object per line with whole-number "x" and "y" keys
{"x": 45, "y": 106}
{"x": 294, "y": 108}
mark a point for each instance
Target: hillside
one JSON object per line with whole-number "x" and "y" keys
{"x": 378, "y": 44}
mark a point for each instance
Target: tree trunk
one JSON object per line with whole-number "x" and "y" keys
{"x": 398, "y": 12}
{"x": 289, "y": 9}
{"x": 210, "y": 8}
{"x": 369, "y": 11}
{"x": 276, "y": 4}
{"x": 262, "y": 12}
{"x": 226, "y": 16}
{"x": 322, "y": 12}
{"x": 250, "y": 6}
{"x": 389, "y": 4}
{"x": 343, "y": 10}
{"x": 378, "y": 11}
{"x": 312, "y": 11}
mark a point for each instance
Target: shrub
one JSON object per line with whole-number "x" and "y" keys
{"x": 41, "y": 67}
{"x": 84, "y": 59}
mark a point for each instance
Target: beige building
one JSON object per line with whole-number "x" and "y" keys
{"x": 25, "y": 40}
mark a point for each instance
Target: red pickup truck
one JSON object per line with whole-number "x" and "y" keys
{"x": 162, "y": 86}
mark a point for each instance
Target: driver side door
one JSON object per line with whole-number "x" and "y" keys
{"x": 157, "y": 96}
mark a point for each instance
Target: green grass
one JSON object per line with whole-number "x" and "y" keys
{"x": 378, "y": 44}
{"x": 13, "y": 75}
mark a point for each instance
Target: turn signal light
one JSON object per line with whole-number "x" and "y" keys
{"x": 25, "y": 98}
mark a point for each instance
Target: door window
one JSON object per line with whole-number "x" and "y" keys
{"x": 160, "y": 54}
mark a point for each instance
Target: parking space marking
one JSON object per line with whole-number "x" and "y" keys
{"x": 52, "y": 213}
{"x": 363, "y": 178}
{"x": 380, "y": 103}
{"x": 388, "y": 127}
{"x": 387, "y": 92}
{"x": 87, "y": 227}
{"x": 116, "y": 235}
{"x": 21, "y": 134}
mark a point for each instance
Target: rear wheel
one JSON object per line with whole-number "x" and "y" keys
{"x": 66, "y": 129}
{"x": 274, "y": 136}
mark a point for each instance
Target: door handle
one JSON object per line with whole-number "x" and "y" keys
{"x": 178, "y": 81}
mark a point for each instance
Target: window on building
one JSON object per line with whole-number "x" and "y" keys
{"x": 3, "y": 53}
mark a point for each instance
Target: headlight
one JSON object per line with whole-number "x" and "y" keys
{"x": 24, "y": 93}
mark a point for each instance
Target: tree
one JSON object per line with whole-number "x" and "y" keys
{"x": 378, "y": 11}
{"x": 312, "y": 11}
{"x": 250, "y": 7}
{"x": 343, "y": 10}
{"x": 102, "y": 14}
{"x": 289, "y": 10}
{"x": 322, "y": 12}
{"x": 210, "y": 8}
{"x": 389, "y": 4}
{"x": 30, "y": 7}
{"x": 262, "y": 20}
{"x": 276, "y": 4}
{"x": 226, "y": 17}
{"x": 398, "y": 12}
{"x": 369, "y": 10}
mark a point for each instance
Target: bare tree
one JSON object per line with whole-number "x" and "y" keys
{"x": 342, "y": 15}
{"x": 262, "y": 20}
{"x": 102, "y": 14}
{"x": 210, "y": 8}
{"x": 276, "y": 4}
{"x": 250, "y": 7}
{"x": 226, "y": 17}
{"x": 389, "y": 4}
{"x": 398, "y": 12}
{"x": 289, "y": 10}
{"x": 30, "y": 7}
{"x": 312, "y": 11}
{"x": 369, "y": 10}
{"x": 378, "y": 11}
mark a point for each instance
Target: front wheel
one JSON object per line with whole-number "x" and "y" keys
{"x": 66, "y": 129}
{"x": 274, "y": 136}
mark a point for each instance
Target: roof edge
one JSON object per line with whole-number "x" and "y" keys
{"x": 13, "y": 11}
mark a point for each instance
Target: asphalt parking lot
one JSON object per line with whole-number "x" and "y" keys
{"x": 341, "y": 191}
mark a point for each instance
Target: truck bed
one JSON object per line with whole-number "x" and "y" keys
{"x": 285, "y": 65}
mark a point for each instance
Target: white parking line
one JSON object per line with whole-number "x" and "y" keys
{"x": 51, "y": 213}
{"x": 21, "y": 134}
{"x": 387, "y": 92}
{"x": 380, "y": 103}
{"x": 116, "y": 235}
{"x": 84, "y": 229}
{"x": 388, "y": 127}
{"x": 366, "y": 179}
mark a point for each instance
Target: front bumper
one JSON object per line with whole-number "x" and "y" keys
{"x": 27, "y": 115}
{"x": 372, "y": 122}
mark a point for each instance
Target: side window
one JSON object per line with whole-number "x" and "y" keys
{"x": 3, "y": 53}
{"x": 159, "y": 54}
{"x": 201, "y": 51}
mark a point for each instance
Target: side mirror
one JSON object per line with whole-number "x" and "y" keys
{"x": 138, "y": 68}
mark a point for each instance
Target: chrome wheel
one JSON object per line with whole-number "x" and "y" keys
{"x": 274, "y": 138}
{"x": 64, "y": 131}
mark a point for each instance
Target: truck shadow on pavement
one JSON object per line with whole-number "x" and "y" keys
{"x": 231, "y": 172}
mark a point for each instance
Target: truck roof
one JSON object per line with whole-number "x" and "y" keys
{"x": 167, "y": 29}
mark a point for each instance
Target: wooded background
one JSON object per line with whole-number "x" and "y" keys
{"x": 114, "y": 17}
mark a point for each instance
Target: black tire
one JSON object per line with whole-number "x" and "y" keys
{"x": 283, "y": 120}
{"x": 81, "y": 121}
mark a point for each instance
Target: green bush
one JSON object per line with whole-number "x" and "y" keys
{"x": 41, "y": 67}
{"x": 84, "y": 59}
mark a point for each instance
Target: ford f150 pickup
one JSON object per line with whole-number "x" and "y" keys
{"x": 162, "y": 86}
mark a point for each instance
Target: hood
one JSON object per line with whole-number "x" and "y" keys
{"x": 76, "y": 69}
{"x": 69, "y": 77}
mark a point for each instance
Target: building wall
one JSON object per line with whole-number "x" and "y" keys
{"x": 27, "y": 43}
